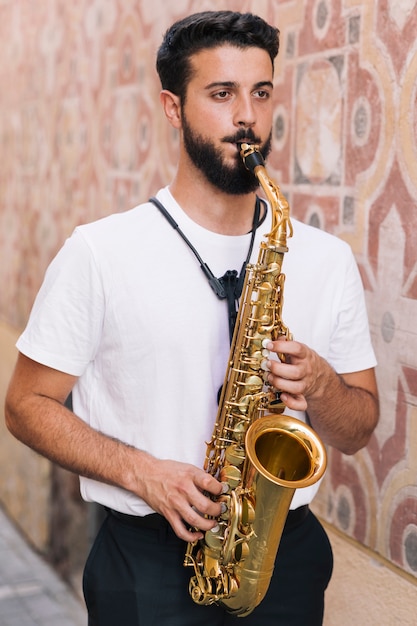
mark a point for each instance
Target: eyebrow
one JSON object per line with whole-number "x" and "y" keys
{"x": 232, "y": 84}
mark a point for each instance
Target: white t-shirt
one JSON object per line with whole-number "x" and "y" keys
{"x": 126, "y": 307}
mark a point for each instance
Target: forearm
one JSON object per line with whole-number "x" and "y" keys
{"x": 48, "y": 427}
{"x": 176, "y": 490}
{"x": 36, "y": 415}
{"x": 343, "y": 414}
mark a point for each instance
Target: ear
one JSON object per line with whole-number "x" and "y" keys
{"x": 172, "y": 107}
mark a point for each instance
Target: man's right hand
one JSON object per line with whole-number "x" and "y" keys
{"x": 178, "y": 492}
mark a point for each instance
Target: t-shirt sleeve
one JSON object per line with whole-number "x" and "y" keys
{"x": 64, "y": 326}
{"x": 350, "y": 343}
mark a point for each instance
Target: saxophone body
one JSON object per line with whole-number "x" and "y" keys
{"x": 259, "y": 454}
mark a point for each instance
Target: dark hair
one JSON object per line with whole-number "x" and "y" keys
{"x": 209, "y": 29}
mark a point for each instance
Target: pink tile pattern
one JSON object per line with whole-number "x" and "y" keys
{"x": 82, "y": 135}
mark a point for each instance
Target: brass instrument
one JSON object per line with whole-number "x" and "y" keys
{"x": 261, "y": 458}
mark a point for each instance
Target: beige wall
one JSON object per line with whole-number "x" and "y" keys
{"x": 365, "y": 590}
{"x": 41, "y": 498}
{"x": 24, "y": 475}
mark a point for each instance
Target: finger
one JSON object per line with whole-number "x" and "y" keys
{"x": 282, "y": 372}
{"x": 207, "y": 483}
{"x": 295, "y": 402}
{"x": 184, "y": 531}
{"x": 191, "y": 521}
{"x": 283, "y": 346}
{"x": 202, "y": 496}
{"x": 206, "y": 507}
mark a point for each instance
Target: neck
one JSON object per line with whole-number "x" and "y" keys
{"x": 212, "y": 209}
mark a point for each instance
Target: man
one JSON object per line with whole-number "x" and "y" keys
{"x": 127, "y": 320}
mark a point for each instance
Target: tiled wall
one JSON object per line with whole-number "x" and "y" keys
{"x": 82, "y": 135}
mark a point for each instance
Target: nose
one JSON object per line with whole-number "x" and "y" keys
{"x": 244, "y": 111}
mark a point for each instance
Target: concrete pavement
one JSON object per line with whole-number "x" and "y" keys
{"x": 31, "y": 593}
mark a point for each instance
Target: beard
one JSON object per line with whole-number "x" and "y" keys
{"x": 233, "y": 179}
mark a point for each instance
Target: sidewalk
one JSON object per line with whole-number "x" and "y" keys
{"x": 31, "y": 593}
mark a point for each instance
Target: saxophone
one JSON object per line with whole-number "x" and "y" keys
{"x": 259, "y": 454}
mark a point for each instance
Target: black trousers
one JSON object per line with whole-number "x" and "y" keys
{"x": 135, "y": 577}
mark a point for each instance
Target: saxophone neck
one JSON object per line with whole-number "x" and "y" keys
{"x": 281, "y": 223}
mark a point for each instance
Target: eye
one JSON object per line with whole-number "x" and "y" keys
{"x": 262, "y": 94}
{"x": 221, "y": 95}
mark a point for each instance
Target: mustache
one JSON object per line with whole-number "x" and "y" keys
{"x": 242, "y": 134}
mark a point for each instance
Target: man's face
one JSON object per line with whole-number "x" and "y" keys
{"x": 229, "y": 101}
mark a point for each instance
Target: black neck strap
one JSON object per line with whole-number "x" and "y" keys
{"x": 230, "y": 285}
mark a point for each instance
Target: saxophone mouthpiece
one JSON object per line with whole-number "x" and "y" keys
{"x": 245, "y": 146}
{"x": 251, "y": 156}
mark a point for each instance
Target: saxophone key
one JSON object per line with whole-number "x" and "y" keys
{"x": 231, "y": 475}
{"x": 214, "y": 538}
{"x": 235, "y": 454}
{"x": 224, "y": 501}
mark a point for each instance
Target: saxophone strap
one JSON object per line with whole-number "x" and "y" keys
{"x": 229, "y": 286}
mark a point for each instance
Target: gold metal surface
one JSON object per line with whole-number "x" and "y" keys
{"x": 261, "y": 455}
